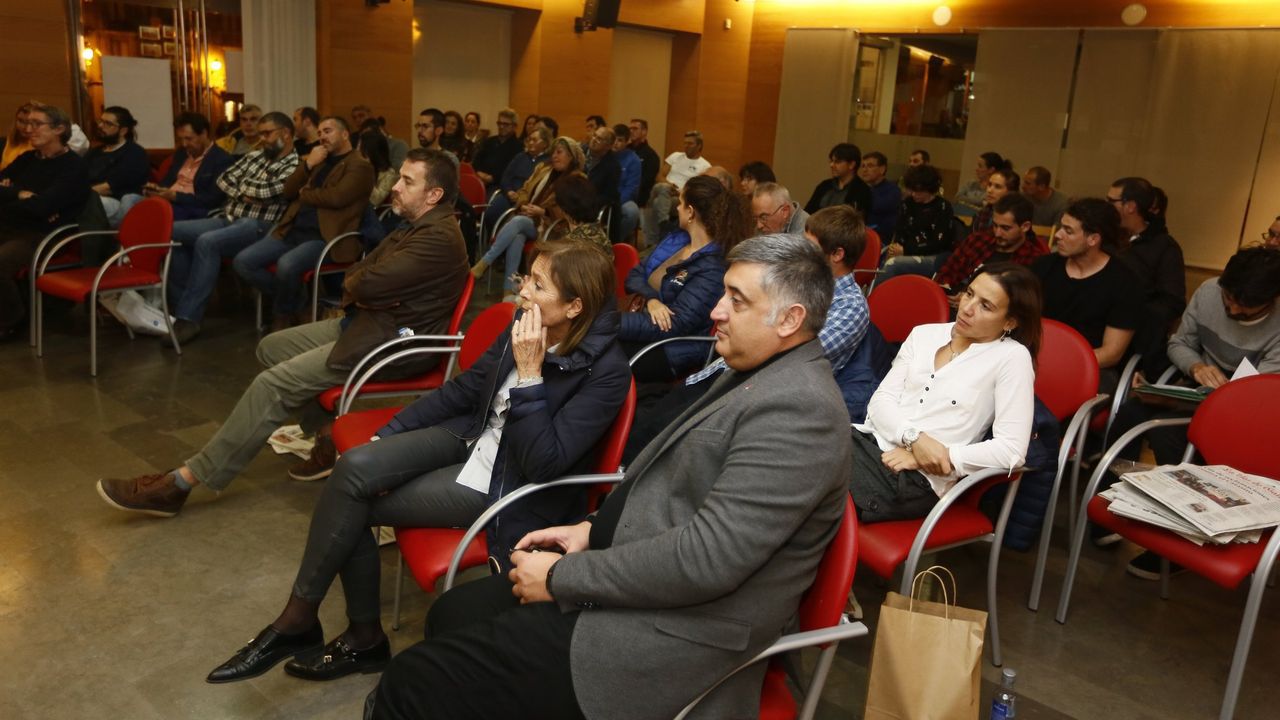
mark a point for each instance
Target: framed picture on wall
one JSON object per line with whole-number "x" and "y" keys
{"x": 151, "y": 50}
{"x": 170, "y": 49}
{"x": 148, "y": 32}
{"x": 168, "y": 32}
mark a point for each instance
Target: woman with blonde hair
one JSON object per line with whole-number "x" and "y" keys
{"x": 19, "y": 139}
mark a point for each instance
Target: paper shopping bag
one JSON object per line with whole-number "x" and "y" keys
{"x": 926, "y": 661}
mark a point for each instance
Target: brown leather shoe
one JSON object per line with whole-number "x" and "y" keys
{"x": 320, "y": 464}
{"x": 147, "y": 494}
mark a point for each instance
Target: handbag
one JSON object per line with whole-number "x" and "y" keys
{"x": 927, "y": 655}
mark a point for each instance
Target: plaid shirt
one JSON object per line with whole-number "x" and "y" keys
{"x": 975, "y": 250}
{"x": 847, "y": 321}
{"x": 255, "y": 186}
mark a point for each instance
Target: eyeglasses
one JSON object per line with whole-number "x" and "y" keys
{"x": 503, "y": 123}
{"x": 1271, "y": 235}
{"x": 764, "y": 217}
{"x": 424, "y": 126}
{"x": 108, "y": 124}
{"x": 1115, "y": 201}
{"x": 34, "y": 123}
{"x": 266, "y": 132}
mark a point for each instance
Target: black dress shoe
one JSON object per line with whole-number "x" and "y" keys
{"x": 263, "y": 652}
{"x": 337, "y": 659}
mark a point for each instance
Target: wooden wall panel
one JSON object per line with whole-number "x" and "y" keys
{"x": 364, "y": 55}
{"x": 34, "y": 55}
{"x": 677, "y": 15}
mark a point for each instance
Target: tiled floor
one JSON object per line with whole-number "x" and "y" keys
{"x": 104, "y": 615}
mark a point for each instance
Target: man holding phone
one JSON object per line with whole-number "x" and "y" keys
{"x": 190, "y": 184}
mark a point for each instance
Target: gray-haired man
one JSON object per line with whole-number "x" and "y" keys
{"x": 714, "y": 534}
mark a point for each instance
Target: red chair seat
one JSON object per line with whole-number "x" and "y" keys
{"x": 1226, "y": 565}
{"x": 430, "y": 381}
{"x": 76, "y": 284}
{"x": 354, "y": 429}
{"x": 776, "y": 702}
{"x": 427, "y": 552}
{"x": 883, "y": 546}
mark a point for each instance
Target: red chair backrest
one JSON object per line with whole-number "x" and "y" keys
{"x": 455, "y": 321}
{"x": 824, "y": 601}
{"x": 625, "y": 257}
{"x": 484, "y": 330}
{"x": 1066, "y": 369}
{"x": 1236, "y": 426}
{"x": 161, "y": 170}
{"x": 466, "y": 168}
{"x": 472, "y": 188}
{"x": 870, "y": 258}
{"x": 609, "y": 450}
{"x": 899, "y": 304}
{"x": 148, "y": 222}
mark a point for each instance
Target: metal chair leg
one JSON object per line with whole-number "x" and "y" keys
{"x": 93, "y": 331}
{"x": 993, "y": 569}
{"x": 1257, "y": 585}
{"x": 395, "y": 612}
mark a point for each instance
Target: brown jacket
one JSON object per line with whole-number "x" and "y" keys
{"x": 413, "y": 279}
{"x": 339, "y": 202}
{"x": 540, "y": 190}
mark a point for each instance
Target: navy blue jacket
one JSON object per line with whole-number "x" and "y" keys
{"x": 550, "y": 431}
{"x": 690, "y": 288}
{"x": 207, "y": 196}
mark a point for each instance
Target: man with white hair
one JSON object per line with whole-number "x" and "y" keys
{"x": 775, "y": 212}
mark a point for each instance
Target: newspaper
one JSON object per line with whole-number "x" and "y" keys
{"x": 1202, "y": 503}
{"x": 291, "y": 439}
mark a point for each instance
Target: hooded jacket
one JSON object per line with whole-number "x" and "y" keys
{"x": 551, "y": 427}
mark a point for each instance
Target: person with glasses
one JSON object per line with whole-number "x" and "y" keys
{"x": 412, "y": 280}
{"x": 1156, "y": 259}
{"x": 255, "y": 191}
{"x": 118, "y": 165}
{"x": 43, "y": 188}
{"x": 1271, "y": 236}
{"x": 430, "y": 127}
{"x": 775, "y": 212}
{"x": 1231, "y": 319}
{"x": 497, "y": 151}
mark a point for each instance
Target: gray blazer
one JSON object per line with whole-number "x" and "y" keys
{"x": 729, "y": 512}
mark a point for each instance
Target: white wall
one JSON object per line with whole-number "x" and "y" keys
{"x": 814, "y": 103}
{"x": 639, "y": 77}
{"x": 462, "y": 59}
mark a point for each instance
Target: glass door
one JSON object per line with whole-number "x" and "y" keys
{"x": 174, "y": 55}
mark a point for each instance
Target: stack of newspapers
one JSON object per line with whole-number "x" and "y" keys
{"x": 1202, "y": 503}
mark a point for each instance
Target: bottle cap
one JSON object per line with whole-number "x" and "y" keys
{"x": 1010, "y": 674}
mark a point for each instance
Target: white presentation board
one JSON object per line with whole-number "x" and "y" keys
{"x": 145, "y": 87}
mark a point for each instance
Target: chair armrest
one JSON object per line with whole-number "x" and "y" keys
{"x": 53, "y": 251}
{"x": 1167, "y": 375}
{"x": 1078, "y": 425}
{"x": 845, "y": 630}
{"x": 547, "y": 233}
{"x": 329, "y": 246}
{"x": 931, "y": 520}
{"x": 510, "y": 498}
{"x": 1122, "y": 393}
{"x": 665, "y": 341}
{"x": 372, "y": 355}
{"x": 1109, "y": 456}
{"x": 347, "y": 398}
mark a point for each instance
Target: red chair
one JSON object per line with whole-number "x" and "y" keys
{"x": 868, "y": 265}
{"x": 466, "y": 168}
{"x": 142, "y": 262}
{"x": 899, "y": 304}
{"x": 625, "y": 257}
{"x": 338, "y": 399}
{"x": 955, "y": 520}
{"x": 313, "y": 277}
{"x": 472, "y": 189}
{"x": 432, "y": 552}
{"x": 1235, "y": 425}
{"x": 1067, "y": 383}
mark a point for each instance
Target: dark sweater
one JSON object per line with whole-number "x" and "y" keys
{"x": 493, "y": 156}
{"x": 60, "y": 184}
{"x": 650, "y": 164}
{"x": 124, "y": 169}
{"x": 856, "y": 194}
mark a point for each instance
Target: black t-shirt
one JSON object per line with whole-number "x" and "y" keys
{"x": 1110, "y": 297}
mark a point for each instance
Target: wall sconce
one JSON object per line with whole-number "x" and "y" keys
{"x": 215, "y": 65}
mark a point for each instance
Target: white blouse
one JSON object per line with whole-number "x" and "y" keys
{"x": 989, "y": 385}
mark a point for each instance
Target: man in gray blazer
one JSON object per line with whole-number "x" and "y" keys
{"x": 692, "y": 566}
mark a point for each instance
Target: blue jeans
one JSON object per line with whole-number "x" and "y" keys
{"x": 511, "y": 240}
{"x": 499, "y": 205}
{"x": 193, "y": 271}
{"x": 629, "y": 222}
{"x": 292, "y": 262}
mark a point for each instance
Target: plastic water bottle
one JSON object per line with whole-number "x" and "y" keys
{"x": 1004, "y": 705}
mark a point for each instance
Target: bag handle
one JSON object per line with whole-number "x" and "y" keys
{"x": 942, "y": 582}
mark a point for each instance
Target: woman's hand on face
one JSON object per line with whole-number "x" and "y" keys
{"x": 932, "y": 455}
{"x": 529, "y": 343}
{"x": 899, "y": 459}
{"x": 660, "y": 314}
